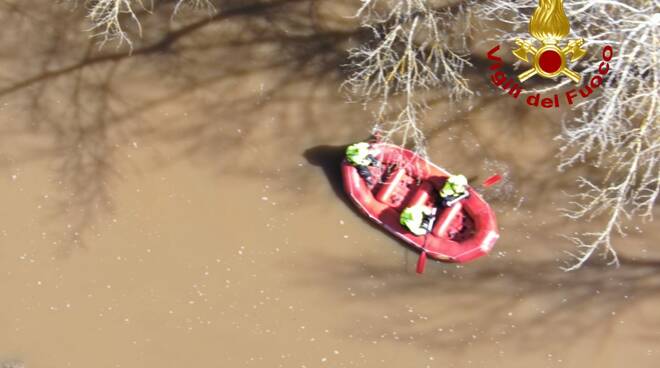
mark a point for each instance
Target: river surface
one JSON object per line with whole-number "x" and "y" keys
{"x": 184, "y": 209}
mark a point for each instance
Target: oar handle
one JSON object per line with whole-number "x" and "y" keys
{"x": 421, "y": 262}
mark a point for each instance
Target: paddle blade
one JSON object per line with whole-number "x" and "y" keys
{"x": 421, "y": 263}
{"x": 492, "y": 180}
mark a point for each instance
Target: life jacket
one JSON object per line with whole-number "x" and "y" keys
{"x": 451, "y": 190}
{"x": 412, "y": 218}
{"x": 357, "y": 154}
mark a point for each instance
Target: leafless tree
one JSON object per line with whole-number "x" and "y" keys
{"x": 74, "y": 94}
{"x": 416, "y": 45}
{"x": 616, "y": 129}
{"x": 106, "y": 16}
{"x": 413, "y": 47}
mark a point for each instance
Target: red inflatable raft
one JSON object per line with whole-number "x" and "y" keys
{"x": 460, "y": 233}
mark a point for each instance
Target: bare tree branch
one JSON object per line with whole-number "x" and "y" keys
{"x": 415, "y": 46}
{"x": 616, "y": 129}
{"x": 106, "y": 17}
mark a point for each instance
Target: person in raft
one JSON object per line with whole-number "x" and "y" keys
{"x": 361, "y": 156}
{"x": 418, "y": 219}
{"x": 454, "y": 190}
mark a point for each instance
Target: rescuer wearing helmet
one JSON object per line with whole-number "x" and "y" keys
{"x": 418, "y": 219}
{"x": 454, "y": 190}
{"x": 361, "y": 156}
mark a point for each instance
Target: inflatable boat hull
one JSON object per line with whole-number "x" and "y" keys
{"x": 460, "y": 233}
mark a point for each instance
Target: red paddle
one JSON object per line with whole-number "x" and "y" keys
{"x": 492, "y": 180}
{"x": 421, "y": 262}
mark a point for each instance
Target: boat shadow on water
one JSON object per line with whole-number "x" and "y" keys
{"x": 329, "y": 159}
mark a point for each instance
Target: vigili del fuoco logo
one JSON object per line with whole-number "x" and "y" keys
{"x": 550, "y": 57}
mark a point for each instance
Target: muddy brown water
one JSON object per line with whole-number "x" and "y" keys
{"x": 197, "y": 219}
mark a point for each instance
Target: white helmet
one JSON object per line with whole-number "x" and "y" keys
{"x": 458, "y": 180}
